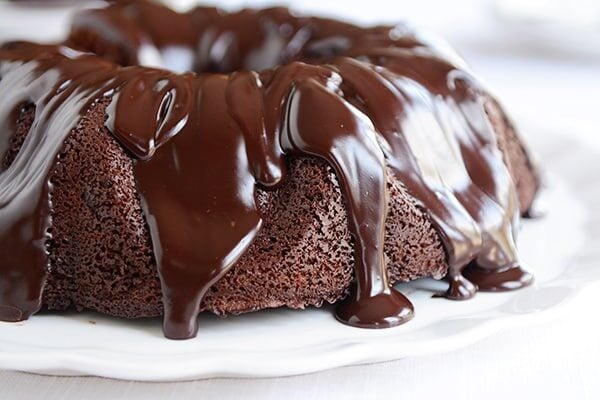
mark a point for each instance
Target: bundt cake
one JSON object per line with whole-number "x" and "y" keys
{"x": 265, "y": 160}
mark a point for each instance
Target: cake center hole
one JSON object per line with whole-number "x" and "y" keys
{"x": 228, "y": 52}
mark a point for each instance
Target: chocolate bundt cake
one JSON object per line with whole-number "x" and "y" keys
{"x": 267, "y": 160}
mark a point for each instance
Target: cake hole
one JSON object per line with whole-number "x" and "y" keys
{"x": 241, "y": 41}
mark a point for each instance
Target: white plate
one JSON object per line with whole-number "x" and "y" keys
{"x": 559, "y": 249}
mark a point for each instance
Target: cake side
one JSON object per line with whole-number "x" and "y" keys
{"x": 302, "y": 256}
{"x": 516, "y": 155}
{"x": 101, "y": 256}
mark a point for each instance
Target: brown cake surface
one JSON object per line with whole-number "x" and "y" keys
{"x": 101, "y": 257}
{"x": 100, "y": 249}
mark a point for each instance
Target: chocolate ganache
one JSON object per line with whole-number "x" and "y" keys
{"x": 257, "y": 87}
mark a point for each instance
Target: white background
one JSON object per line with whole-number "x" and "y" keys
{"x": 550, "y": 74}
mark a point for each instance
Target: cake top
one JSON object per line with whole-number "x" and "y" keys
{"x": 256, "y": 87}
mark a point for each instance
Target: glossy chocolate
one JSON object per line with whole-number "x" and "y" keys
{"x": 266, "y": 85}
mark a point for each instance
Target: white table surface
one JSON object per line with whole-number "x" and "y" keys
{"x": 560, "y": 359}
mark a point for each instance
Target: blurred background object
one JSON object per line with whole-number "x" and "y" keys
{"x": 569, "y": 27}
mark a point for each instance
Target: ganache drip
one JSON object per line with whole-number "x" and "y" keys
{"x": 364, "y": 100}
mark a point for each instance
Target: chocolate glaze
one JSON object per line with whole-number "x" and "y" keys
{"x": 362, "y": 99}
